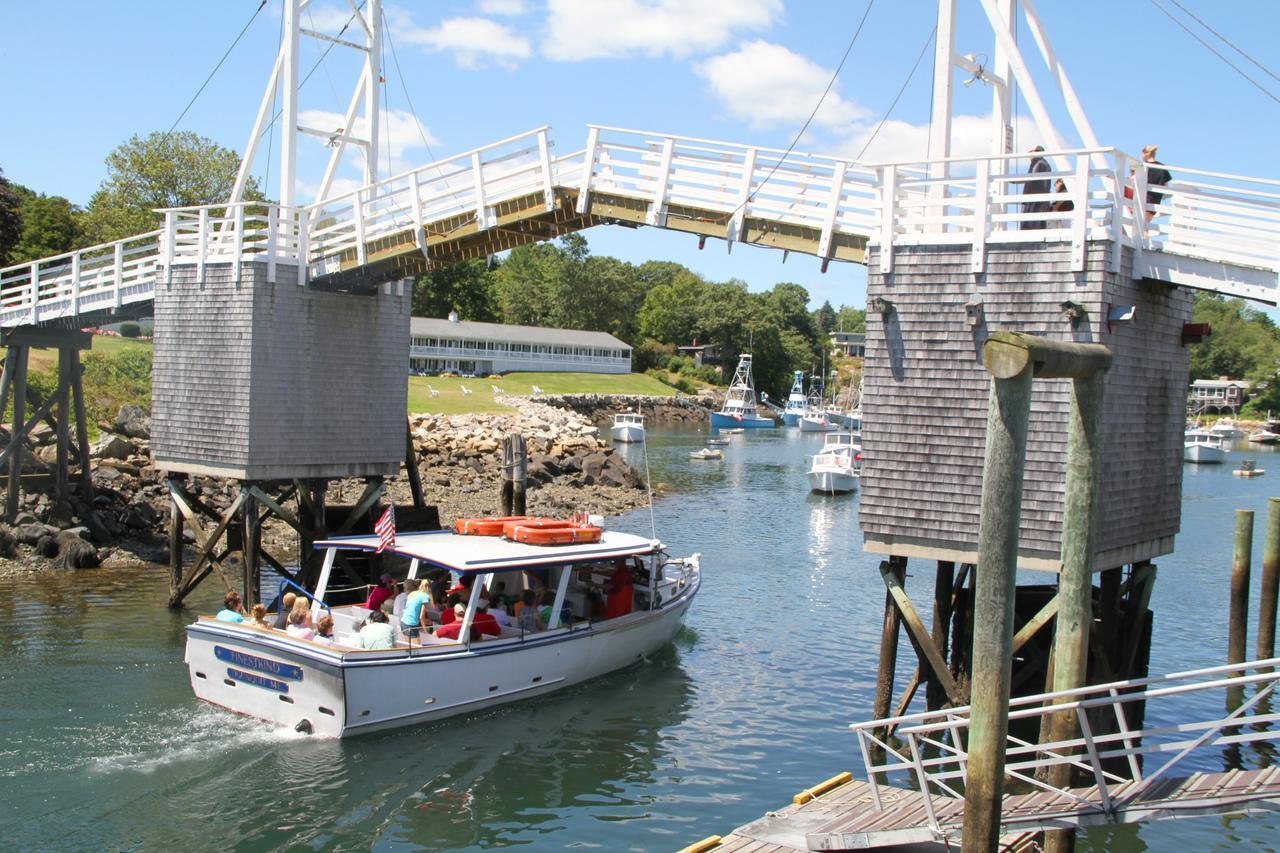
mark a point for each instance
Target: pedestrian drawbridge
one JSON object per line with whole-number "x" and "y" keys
{"x": 1209, "y": 230}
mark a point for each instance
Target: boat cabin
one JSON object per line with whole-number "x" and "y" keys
{"x": 628, "y": 419}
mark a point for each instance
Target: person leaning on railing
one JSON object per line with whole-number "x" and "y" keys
{"x": 1157, "y": 176}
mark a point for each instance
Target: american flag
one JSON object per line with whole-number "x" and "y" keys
{"x": 386, "y": 530}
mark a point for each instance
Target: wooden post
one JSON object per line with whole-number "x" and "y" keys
{"x": 1239, "y": 614}
{"x": 1070, "y": 658}
{"x": 411, "y": 469}
{"x": 895, "y": 567}
{"x": 1001, "y": 511}
{"x": 175, "y": 546}
{"x": 935, "y": 695}
{"x": 82, "y": 428}
{"x": 16, "y": 435}
{"x": 1270, "y": 583}
{"x": 520, "y": 476}
{"x": 252, "y": 539}
{"x": 508, "y": 474}
{"x": 63, "y": 397}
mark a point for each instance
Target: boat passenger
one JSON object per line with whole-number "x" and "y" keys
{"x": 484, "y": 621}
{"x": 385, "y": 590}
{"x": 282, "y": 615}
{"x": 324, "y": 630}
{"x": 451, "y": 602}
{"x": 259, "y": 613}
{"x": 231, "y": 610}
{"x": 548, "y": 602}
{"x": 414, "y": 617}
{"x": 397, "y": 607}
{"x": 377, "y": 633}
{"x": 620, "y": 591}
{"x": 439, "y": 590}
{"x": 297, "y": 626}
{"x": 499, "y": 600}
{"x": 527, "y": 612}
{"x": 454, "y": 629}
{"x": 302, "y": 607}
{"x": 500, "y": 614}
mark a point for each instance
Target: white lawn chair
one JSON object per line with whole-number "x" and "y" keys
{"x": 466, "y": 392}
{"x": 433, "y": 392}
{"x": 536, "y": 390}
{"x": 496, "y": 389}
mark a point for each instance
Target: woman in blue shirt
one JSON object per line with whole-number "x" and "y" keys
{"x": 414, "y": 616}
{"x": 231, "y": 611}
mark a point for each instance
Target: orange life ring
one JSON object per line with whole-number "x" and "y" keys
{"x": 557, "y": 533}
{"x": 484, "y": 526}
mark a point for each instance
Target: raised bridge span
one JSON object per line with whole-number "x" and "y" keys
{"x": 1212, "y": 231}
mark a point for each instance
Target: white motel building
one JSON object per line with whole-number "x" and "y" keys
{"x": 460, "y": 346}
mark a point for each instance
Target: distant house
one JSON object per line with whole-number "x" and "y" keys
{"x": 460, "y": 346}
{"x": 849, "y": 343}
{"x": 701, "y": 354}
{"x": 1217, "y": 395}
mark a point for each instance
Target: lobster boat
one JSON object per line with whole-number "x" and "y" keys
{"x": 628, "y": 427}
{"x": 337, "y": 689}
{"x": 836, "y": 469}
{"x": 739, "y": 409}
{"x": 797, "y": 403}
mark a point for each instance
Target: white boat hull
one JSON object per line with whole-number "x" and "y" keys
{"x": 1204, "y": 454}
{"x": 628, "y": 434}
{"x": 342, "y": 692}
{"x": 832, "y": 482}
{"x": 808, "y": 424}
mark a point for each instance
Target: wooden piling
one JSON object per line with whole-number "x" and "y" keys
{"x": 895, "y": 567}
{"x": 175, "y": 548}
{"x": 250, "y": 543}
{"x": 1270, "y": 582}
{"x": 1070, "y": 656}
{"x": 1238, "y": 621}
{"x": 515, "y": 474}
{"x": 63, "y": 405}
{"x": 411, "y": 469}
{"x": 82, "y": 427}
{"x": 17, "y": 433}
{"x": 944, "y": 580}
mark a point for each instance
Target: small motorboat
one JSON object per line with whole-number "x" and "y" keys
{"x": 628, "y": 427}
{"x": 707, "y": 453}
{"x": 1226, "y": 429}
{"x": 836, "y": 469}
{"x": 818, "y": 422}
{"x": 734, "y": 431}
{"x": 1203, "y": 446}
{"x": 1264, "y": 436}
{"x": 718, "y": 441}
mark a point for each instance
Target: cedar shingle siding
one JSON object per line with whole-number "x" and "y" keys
{"x": 925, "y": 398}
{"x": 260, "y": 381}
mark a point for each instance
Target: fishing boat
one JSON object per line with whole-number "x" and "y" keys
{"x": 836, "y": 469}
{"x": 337, "y": 689}
{"x": 1227, "y": 429}
{"x": 1264, "y": 436}
{"x": 707, "y": 453}
{"x": 797, "y": 404}
{"x": 628, "y": 427}
{"x": 1203, "y": 446}
{"x": 819, "y": 422}
{"x": 739, "y": 409}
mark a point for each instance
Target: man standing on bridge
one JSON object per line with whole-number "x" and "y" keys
{"x": 1036, "y": 187}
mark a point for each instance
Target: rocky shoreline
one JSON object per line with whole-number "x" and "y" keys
{"x": 571, "y": 467}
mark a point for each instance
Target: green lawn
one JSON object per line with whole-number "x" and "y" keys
{"x": 450, "y": 400}
{"x": 47, "y": 359}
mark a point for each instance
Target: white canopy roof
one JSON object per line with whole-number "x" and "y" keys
{"x": 492, "y": 553}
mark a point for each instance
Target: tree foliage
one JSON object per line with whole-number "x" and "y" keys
{"x": 10, "y": 219}
{"x": 1245, "y": 344}
{"x": 50, "y": 226}
{"x": 464, "y": 287}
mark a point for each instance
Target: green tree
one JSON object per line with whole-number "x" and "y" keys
{"x": 671, "y": 311}
{"x": 50, "y": 226}
{"x": 1245, "y": 344}
{"x": 850, "y": 319}
{"x": 465, "y": 287}
{"x": 10, "y": 219}
{"x": 179, "y": 169}
{"x": 526, "y": 286}
{"x": 824, "y": 320}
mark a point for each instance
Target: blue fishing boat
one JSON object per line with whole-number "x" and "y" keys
{"x": 739, "y": 409}
{"x": 797, "y": 406}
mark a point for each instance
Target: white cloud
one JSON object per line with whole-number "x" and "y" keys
{"x": 470, "y": 41}
{"x": 503, "y": 7}
{"x": 330, "y": 20}
{"x": 900, "y": 141}
{"x": 401, "y": 133}
{"x": 594, "y": 29}
{"x": 766, "y": 85}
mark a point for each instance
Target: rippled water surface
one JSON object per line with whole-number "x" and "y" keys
{"x": 104, "y": 746}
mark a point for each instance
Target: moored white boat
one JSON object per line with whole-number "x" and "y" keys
{"x": 1264, "y": 436}
{"x": 818, "y": 422}
{"x": 707, "y": 453}
{"x": 339, "y": 690}
{"x": 1226, "y": 429}
{"x": 1203, "y": 446}
{"x": 836, "y": 469}
{"x": 739, "y": 409}
{"x": 628, "y": 427}
{"x": 797, "y": 405}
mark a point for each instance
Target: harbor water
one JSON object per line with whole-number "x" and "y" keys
{"x": 104, "y": 746}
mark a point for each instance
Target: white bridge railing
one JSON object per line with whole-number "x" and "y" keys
{"x": 1229, "y": 222}
{"x": 931, "y": 746}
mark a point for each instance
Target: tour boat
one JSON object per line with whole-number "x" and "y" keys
{"x": 739, "y": 409}
{"x": 835, "y": 470}
{"x": 338, "y": 690}
{"x": 1203, "y": 446}
{"x": 707, "y": 453}
{"x": 797, "y": 405}
{"x": 628, "y": 427}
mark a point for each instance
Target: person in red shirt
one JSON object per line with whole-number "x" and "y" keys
{"x": 484, "y": 621}
{"x": 619, "y": 591}
{"x": 453, "y": 630}
{"x": 446, "y": 613}
{"x": 383, "y": 592}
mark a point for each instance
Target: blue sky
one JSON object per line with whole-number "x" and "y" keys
{"x": 746, "y": 71}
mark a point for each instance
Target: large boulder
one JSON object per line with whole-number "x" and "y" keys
{"x": 111, "y": 447}
{"x": 134, "y": 421}
{"x": 70, "y": 549}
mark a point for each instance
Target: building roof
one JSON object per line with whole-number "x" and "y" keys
{"x": 429, "y": 326}
{"x": 1219, "y": 383}
{"x": 850, "y": 337}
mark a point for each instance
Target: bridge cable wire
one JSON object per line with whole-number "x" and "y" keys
{"x": 1226, "y": 41}
{"x": 898, "y": 97}
{"x": 1215, "y": 52}
{"x": 395, "y": 58}
{"x": 235, "y": 42}
{"x": 796, "y": 141}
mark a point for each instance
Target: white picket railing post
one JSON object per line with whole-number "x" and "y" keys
{"x": 1117, "y": 217}
{"x": 588, "y": 165}
{"x": 202, "y": 244}
{"x": 1137, "y": 206}
{"x": 75, "y": 284}
{"x": 888, "y": 210}
{"x": 170, "y": 238}
{"x": 119, "y": 271}
{"x": 744, "y": 196}
{"x": 35, "y": 293}
{"x": 304, "y": 240}
{"x": 825, "y": 239}
{"x": 273, "y": 232}
{"x": 544, "y": 158}
{"x": 477, "y": 177}
{"x": 415, "y": 201}
{"x": 1079, "y": 222}
{"x": 981, "y": 215}
{"x": 357, "y": 210}
{"x": 657, "y": 214}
